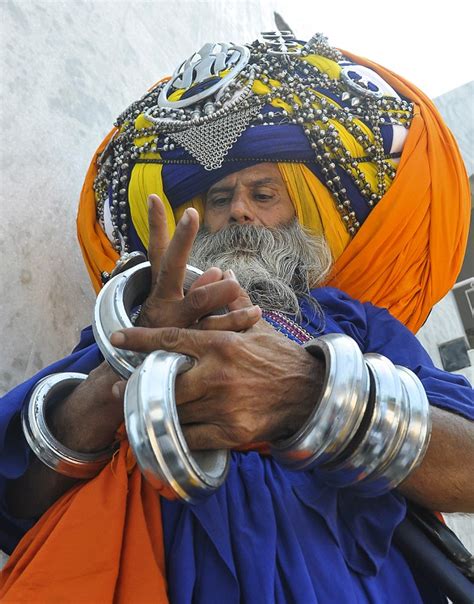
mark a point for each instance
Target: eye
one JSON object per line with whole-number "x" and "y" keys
{"x": 264, "y": 196}
{"x": 218, "y": 202}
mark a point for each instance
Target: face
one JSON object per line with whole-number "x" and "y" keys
{"x": 254, "y": 196}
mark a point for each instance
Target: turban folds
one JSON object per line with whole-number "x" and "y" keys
{"x": 409, "y": 248}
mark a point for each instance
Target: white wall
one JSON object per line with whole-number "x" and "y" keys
{"x": 67, "y": 70}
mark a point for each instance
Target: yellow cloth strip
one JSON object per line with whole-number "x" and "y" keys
{"x": 146, "y": 179}
{"x": 314, "y": 205}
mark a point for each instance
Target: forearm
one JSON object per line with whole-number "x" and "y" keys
{"x": 85, "y": 421}
{"x": 444, "y": 480}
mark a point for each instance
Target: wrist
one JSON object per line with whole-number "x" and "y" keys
{"x": 87, "y": 420}
{"x": 305, "y": 393}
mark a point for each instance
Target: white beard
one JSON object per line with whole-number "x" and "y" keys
{"x": 276, "y": 266}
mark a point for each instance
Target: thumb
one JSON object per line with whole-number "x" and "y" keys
{"x": 243, "y": 300}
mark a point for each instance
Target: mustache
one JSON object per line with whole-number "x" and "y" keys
{"x": 277, "y": 266}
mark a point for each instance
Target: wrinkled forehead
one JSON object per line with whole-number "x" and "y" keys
{"x": 253, "y": 176}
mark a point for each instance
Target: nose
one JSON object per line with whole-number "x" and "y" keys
{"x": 241, "y": 208}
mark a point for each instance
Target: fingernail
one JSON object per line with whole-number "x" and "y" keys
{"x": 150, "y": 201}
{"x": 254, "y": 311}
{"x": 117, "y": 338}
{"x": 185, "y": 218}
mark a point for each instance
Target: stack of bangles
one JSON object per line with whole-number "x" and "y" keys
{"x": 371, "y": 425}
{"x": 369, "y": 429}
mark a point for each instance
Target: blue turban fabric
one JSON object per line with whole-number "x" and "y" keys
{"x": 286, "y": 142}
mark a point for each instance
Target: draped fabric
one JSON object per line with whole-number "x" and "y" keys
{"x": 412, "y": 245}
{"x": 281, "y": 535}
{"x": 101, "y": 542}
{"x": 267, "y": 534}
{"x": 409, "y": 248}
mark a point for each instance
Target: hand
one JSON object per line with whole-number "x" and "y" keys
{"x": 88, "y": 419}
{"x": 244, "y": 388}
{"x": 167, "y": 305}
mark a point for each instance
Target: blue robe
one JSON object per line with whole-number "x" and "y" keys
{"x": 269, "y": 534}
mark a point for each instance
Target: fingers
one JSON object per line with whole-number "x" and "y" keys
{"x": 212, "y": 275}
{"x": 158, "y": 237}
{"x": 118, "y": 390}
{"x": 237, "y": 320}
{"x": 170, "y": 280}
{"x": 206, "y": 299}
{"x": 242, "y": 300}
{"x": 173, "y": 339}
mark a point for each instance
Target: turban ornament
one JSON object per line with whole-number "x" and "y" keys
{"x": 365, "y": 156}
{"x": 341, "y": 118}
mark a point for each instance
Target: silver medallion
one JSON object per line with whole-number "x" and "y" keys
{"x": 365, "y": 82}
{"x": 203, "y": 65}
{"x": 281, "y": 43}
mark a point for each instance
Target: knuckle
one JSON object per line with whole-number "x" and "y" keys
{"x": 165, "y": 272}
{"x": 243, "y": 428}
{"x": 229, "y": 343}
{"x": 169, "y": 337}
{"x": 197, "y": 299}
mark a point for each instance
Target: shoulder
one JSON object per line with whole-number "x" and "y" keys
{"x": 341, "y": 314}
{"x": 373, "y": 327}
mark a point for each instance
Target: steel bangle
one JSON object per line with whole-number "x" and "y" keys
{"x": 114, "y": 307}
{"x": 414, "y": 444}
{"x": 44, "y": 445}
{"x": 339, "y": 410}
{"x": 382, "y": 429}
{"x": 394, "y": 439}
{"x": 155, "y": 434}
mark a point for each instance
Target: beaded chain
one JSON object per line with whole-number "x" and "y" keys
{"x": 278, "y": 83}
{"x": 287, "y": 326}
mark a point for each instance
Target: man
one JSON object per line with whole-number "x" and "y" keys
{"x": 269, "y": 533}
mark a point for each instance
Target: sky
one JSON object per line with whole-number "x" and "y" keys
{"x": 429, "y": 43}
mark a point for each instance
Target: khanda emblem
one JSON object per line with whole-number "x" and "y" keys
{"x": 365, "y": 82}
{"x": 281, "y": 43}
{"x": 202, "y": 73}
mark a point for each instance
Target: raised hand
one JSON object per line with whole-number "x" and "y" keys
{"x": 168, "y": 305}
{"x": 88, "y": 418}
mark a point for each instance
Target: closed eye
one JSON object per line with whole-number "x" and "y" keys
{"x": 218, "y": 202}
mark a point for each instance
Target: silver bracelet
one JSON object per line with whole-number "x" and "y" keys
{"x": 409, "y": 445}
{"x": 371, "y": 444}
{"x": 126, "y": 289}
{"x": 155, "y": 434}
{"x": 40, "y": 439}
{"x": 338, "y": 412}
{"x": 383, "y": 430}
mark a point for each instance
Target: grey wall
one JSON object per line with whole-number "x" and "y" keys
{"x": 67, "y": 70}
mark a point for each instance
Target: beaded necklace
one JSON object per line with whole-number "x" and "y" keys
{"x": 287, "y": 326}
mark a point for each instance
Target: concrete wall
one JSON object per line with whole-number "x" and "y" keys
{"x": 67, "y": 70}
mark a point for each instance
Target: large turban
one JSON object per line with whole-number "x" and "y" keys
{"x": 367, "y": 160}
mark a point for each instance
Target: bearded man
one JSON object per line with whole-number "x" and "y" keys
{"x": 293, "y": 157}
